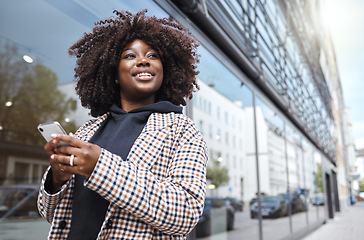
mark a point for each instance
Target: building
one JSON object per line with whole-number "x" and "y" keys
{"x": 270, "y": 106}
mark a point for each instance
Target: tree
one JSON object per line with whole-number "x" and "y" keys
{"x": 361, "y": 185}
{"x": 320, "y": 184}
{"x": 29, "y": 96}
{"x": 218, "y": 174}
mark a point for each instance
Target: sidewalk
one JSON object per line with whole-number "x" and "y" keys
{"x": 348, "y": 225}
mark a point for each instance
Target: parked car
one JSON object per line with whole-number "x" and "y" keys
{"x": 272, "y": 207}
{"x": 254, "y": 200}
{"x": 217, "y": 217}
{"x": 318, "y": 200}
{"x": 18, "y": 201}
{"x": 297, "y": 203}
{"x": 235, "y": 203}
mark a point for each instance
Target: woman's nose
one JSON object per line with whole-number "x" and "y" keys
{"x": 143, "y": 62}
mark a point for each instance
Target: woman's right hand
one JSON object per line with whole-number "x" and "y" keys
{"x": 59, "y": 176}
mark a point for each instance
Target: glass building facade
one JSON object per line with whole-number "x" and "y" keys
{"x": 264, "y": 108}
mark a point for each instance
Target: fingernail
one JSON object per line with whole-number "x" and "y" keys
{"x": 53, "y": 135}
{"x": 52, "y": 156}
{"x": 71, "y": 134}
{"x": 54, "y": 141}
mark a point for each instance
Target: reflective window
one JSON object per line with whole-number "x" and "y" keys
{"x": 231, "y": 172}
{"x": 296, "y": 178}
{"x": 320, "y": 185}
{"x": 315, "y": 197}
{"x": 264, "y": 179}
{"x": 275, "y": 199}
{"x": 272, "y": 33}
{"x": 36, "y": 75}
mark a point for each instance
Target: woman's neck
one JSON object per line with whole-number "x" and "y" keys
{"x": 130, "y": 105}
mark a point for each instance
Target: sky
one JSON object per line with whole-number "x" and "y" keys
{"x": 345, "y": 19}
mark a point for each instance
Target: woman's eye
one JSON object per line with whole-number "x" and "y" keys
{"x": 152, "y": 55}
{"x": 128, "y": 56}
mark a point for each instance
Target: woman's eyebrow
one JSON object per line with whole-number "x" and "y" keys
{"x": 126, "y": 49}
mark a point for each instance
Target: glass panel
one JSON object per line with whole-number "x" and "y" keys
{"x": 320, "y": 185}
{"x": 36, "y": 86}
{"x": 296, "y": 176}
{"x": 272, "y": 172}
{"x": 314, "y": 198}
{"x": 223, "y": 108}
{"x": 21, "y": 173}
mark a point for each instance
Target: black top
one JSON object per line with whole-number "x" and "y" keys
{"x": 117, "y": 134}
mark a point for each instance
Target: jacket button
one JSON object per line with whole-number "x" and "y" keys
{"x": 62, "y": 224}
{"x": 108, "y": 224}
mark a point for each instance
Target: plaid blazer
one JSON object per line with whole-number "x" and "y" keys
{"x": 158, "y": 193}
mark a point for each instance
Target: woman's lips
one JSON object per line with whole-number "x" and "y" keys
{"x": 144, "y": 76}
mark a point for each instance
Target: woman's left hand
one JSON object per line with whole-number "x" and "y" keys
{"x": 85, "y": 155}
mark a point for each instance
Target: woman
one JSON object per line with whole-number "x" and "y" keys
{"x": 138, "y": 171}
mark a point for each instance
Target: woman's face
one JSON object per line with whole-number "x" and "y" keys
{"x": 140, "y": 73}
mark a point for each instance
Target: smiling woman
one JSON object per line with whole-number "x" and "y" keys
{"x": 141, "y": 161}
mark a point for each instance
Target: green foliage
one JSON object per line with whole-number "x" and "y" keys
{"x": 32, "y": 89}
{"x": 263, "y": 194}
{"x": 219, "y": 175}
{"x": 361, "y": 185}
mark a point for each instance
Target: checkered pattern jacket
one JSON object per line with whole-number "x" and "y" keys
{"x": 157, "y": 193}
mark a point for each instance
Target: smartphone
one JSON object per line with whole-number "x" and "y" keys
{"x": 47, "y": 129}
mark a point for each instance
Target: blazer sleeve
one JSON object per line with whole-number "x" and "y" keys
{"x": 47, "y": 201}
{"x": 173, "y": 204}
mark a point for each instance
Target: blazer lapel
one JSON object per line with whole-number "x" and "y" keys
{"x": 149, "y": 144}
{"x": 90, "y": 128}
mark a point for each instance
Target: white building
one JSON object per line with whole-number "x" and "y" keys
{"x": 222, "y": 122}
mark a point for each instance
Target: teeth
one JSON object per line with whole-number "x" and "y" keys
{"x": 144, "y": 75}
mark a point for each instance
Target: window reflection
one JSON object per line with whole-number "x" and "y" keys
{"x": 296, "y": 175}
{"x": 319, "y": 184}
{"x": 276, "y": 199}
{"x": 315, "y": 197}
{"x": 231, "y": 176}
{"x": 29, "y": 96}
{"x": 36, "y": 75}
{"x": 290, "y": 172}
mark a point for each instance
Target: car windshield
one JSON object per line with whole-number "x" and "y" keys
{"x": 270, "y": 199}
{"x": 285, "y": 196}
